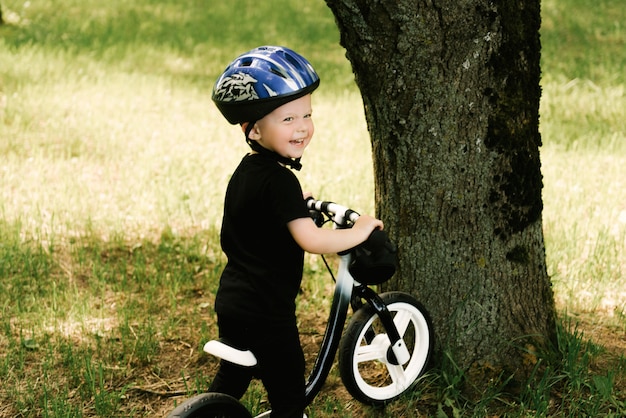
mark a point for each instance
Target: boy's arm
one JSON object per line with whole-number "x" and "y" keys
{"x": 327, "y": 241}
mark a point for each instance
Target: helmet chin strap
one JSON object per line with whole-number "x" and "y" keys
{"x": 289, "y": 162}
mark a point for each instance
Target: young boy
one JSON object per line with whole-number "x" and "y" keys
{"x": 266, "y": 225}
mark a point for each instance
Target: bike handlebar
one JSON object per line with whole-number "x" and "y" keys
{"x": 339, "y": 214}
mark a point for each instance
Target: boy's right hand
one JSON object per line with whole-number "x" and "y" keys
{"x": 366, "y": 224}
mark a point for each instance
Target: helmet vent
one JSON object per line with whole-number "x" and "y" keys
{"x": 278, "y": 73}
{"x": 292, "y": 60}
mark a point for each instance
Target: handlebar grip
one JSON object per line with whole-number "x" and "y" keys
{"x": 333, "y": 210}
{"x": 352, "y": 215}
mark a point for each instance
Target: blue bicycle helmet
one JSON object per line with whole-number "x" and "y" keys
{"x": 261, "y": 80}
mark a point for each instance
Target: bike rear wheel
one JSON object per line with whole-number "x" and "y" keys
{"x": 366, "y": 363}
{"x": 210, "y": 405}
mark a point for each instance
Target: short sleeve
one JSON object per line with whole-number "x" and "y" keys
{"x": 286, "y": 197}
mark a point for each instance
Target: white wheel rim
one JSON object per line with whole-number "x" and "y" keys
{"x": 402, "y": 377}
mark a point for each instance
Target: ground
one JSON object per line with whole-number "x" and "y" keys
{"x": 157, "y": 395}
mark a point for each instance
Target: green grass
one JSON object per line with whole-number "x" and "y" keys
{"x": 113, "y": 165}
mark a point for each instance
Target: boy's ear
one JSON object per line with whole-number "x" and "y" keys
{"x": 254, "y": 131}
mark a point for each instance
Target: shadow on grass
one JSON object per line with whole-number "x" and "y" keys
{"x": 115, "y": 328}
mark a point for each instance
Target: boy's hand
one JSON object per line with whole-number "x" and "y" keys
{"x": 367, "y": 224}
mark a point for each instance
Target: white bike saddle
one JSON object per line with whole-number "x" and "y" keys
{"x": 230, "y": 353}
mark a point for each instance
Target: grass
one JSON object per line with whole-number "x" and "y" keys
{"x": 113, "y": 165}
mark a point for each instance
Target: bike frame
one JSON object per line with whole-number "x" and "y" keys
{"x": 334, "y": 328}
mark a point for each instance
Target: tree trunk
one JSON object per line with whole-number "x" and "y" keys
{"x": 451, "y": 94}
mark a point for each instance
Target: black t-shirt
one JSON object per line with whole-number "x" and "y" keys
{"x": 262, "y": 277}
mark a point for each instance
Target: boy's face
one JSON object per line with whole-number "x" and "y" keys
{"x": 287, "y": 130}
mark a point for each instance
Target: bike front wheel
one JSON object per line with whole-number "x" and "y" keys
{"x": 210, "y": 405}
{"x": 366, "y": 364}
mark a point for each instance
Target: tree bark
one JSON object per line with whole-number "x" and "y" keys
{"x": 451, "y": 95}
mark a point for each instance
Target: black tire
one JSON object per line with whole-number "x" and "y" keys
{"x": 366, "y": 371}
{"x": 210, "y": 405}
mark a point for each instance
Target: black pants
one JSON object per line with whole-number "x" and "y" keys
{"x": 280, "y": 365}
